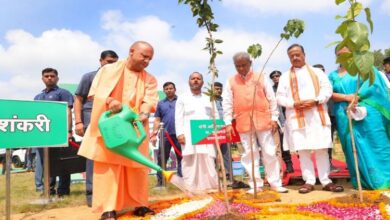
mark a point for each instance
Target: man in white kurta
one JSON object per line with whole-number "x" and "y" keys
{"x": 198, "y": 163}
{"x": 304, "y": 91}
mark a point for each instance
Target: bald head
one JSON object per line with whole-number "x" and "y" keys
{"x": 141, "y": 53}
{"x": 140, "y": 44}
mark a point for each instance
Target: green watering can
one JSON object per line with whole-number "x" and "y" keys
{"x": 121, "y": 136}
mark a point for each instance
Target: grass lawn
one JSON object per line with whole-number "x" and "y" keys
{"x": 23, "y": 194}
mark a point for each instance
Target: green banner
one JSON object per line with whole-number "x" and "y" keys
{"x": 202, "y": 131}
{"x": 33, "y": 124}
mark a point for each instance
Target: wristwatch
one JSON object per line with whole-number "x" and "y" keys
{"x": 144, "y": 113}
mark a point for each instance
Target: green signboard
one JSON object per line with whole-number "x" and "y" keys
{"x": 33, "y": 124}
{"x": 202, "y": 131}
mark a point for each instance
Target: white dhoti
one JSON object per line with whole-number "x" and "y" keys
{"x": 307, "y": 167}
{"x": 199, "y": 173}
{"x": 271, "y": 161}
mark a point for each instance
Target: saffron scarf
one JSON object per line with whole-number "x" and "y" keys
{"x": 295, "y": 93}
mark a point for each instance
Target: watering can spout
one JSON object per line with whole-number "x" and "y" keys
{"x": 123, "y": 133}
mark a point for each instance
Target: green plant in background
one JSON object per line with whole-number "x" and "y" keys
{"x": 358, "y": 61}
{"x": 201, "y": 9}
{"x": 255, "y": 50}
{"x": 379, "y": 56}
{"x": 293, "y": 28}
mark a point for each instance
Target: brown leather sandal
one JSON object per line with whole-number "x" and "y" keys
{"x": 306, "y": 188}
{"x": 108, "y": 215}
{"x": 142, "y": 211}
{"x": 331, "y": 187}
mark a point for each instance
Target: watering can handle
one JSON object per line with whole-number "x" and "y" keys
{"x": 125, "y": 113}
{"x": 141, "y": 129}
{"x": 105, "y": 115}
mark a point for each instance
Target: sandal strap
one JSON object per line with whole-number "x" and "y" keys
{"x": 306, "y": 188}
{"x": 333, "y": 187}
{"x": 143, "y": 210}
{"x": 107, "y": 215}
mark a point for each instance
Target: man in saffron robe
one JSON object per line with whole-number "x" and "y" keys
{"x": 244, "y": 91}
{"x": 304, "y": 91}
{"x": 120, "y": 182}
{"x": 82, "y": 114}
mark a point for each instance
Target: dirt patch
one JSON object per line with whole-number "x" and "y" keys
{"x": 355, "y": 199}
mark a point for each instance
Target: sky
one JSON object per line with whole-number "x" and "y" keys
{"x": 69, "y": 36}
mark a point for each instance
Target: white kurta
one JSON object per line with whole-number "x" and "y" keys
{"x": 198, "y": 163}
{"x": 313, "y": 135}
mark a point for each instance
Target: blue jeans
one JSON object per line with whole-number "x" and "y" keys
{"x": 38, "y": 169}
{"x": 225, "y": 155}
{"x": 89, "y": 180}
{"x": 28, "y": 164}
{"x": 64, "y": 180}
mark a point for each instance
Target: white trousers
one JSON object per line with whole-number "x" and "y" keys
{"x": 271, "y": 161}
{"x": 199, "y": 173}
{"x": 307, "y": 167}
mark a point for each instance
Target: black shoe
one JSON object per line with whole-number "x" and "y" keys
{"x": 289, "y": 168}
{"x": 108, "y": 215}
{"x": 53, "y": 192}
{"x": 61, "y": 195}
{"x": 142, "y": 211}
{"x": 239, "y": 185}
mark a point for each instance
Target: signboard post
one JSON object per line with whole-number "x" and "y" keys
{"x": 8, "y": 182}
{"x": 32, "y": 124}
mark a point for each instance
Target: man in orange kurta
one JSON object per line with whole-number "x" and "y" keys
{"x": 120, "y": 182}
{"x": 250, "y": 100}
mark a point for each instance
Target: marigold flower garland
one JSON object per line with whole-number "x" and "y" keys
{"x": 376, "y": 206}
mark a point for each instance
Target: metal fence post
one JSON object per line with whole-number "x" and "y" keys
{"x": 162, "y": 149}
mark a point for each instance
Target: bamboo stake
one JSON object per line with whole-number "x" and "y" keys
{"x": 252, "y": 111}
{"x": 219, "y": 153}
{"x": 351, "y": 133}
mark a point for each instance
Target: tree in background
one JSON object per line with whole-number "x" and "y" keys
{"x": 379, "y": 57}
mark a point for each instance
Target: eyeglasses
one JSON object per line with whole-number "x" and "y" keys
{"x": 275, "y": 76}
{"x": 241, "y": 65}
